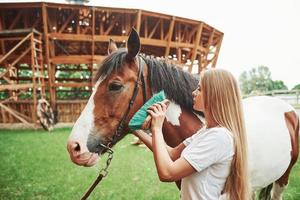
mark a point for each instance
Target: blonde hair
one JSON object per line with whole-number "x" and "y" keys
{"x": 223, "y": 104}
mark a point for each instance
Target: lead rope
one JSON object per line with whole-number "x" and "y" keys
{"x": 102, "y": 174}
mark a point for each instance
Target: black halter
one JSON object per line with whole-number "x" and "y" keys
{"x": 120, "y": 129}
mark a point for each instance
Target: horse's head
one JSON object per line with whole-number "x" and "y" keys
{"x": 98, "y": 123}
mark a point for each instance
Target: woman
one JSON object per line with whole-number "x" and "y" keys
{"x": 214, "y": 160}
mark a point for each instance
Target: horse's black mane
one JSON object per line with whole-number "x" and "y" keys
{"x": 177, "y": 84}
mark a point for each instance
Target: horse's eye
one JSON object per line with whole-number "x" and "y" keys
{"x": 115, "y": 87}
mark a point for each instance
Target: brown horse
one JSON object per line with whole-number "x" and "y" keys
{"x": 125, "y": 80}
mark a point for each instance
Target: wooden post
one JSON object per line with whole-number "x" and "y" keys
{"x": 162, "y": 29}
{"x": 146, "y": 27}
{"x": 209, "y": 43}
{"x": 93, "y": 42}
{"x": 50, "y": 70}
{"x": 196, "y": 44}
{"x": 138, "y": 21}
{"x": 42, "y": 68}
{"x": 217, "y": 52}
{"x": 179, "y": 55}
{"x": 34, "y": 88}
{"x": 2, "y": 28}
{"x": 171, "y": 28}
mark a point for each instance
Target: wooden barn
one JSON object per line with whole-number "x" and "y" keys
{"x": 51, "y": 50}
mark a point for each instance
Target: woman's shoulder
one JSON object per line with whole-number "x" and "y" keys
{"x": 221, "y": 134}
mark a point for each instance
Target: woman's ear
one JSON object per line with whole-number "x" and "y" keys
{"x": 112, "y": 46}
{"x": 133, "y": 44}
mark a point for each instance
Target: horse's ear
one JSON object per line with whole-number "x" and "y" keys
{"x": 133, "y": 44}
{"x": 112, "y": 46}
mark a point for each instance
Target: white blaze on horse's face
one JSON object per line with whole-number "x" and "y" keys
{"x": 85, "y": 123}
{"x": 173, "y": 113}
{"x": 77, "y": 142}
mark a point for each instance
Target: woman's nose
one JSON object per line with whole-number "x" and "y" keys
{"x": 194, "y": 93}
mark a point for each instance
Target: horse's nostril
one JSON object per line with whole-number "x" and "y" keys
{"x": 77, "y": 147}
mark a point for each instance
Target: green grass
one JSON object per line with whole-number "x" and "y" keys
{"x": 36, "y": 165}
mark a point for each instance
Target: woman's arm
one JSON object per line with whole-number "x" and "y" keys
{"x": 174, "y": 153}
{"x": 167, "y": 169}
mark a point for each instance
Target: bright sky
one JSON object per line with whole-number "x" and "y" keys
{"x": 257, "y": 32}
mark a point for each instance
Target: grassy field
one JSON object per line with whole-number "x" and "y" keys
{"x": 36, "y": 165}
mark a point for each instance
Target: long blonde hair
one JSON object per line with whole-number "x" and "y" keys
{"x": 223, "y": 104}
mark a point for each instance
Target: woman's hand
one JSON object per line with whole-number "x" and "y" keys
{"x": 158, "y": 114}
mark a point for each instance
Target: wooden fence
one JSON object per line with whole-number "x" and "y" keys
{"x": 290, "y": 96}
{"x": 68, "y": 111}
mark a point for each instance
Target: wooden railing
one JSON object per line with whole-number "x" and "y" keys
{"x": 291, "y": 96}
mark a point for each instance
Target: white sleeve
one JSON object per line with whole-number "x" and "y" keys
{"x": 189, "y": 140}
{"x": 204, "y": 152}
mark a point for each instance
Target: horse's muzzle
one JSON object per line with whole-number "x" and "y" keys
{"x": 81, "y": 158}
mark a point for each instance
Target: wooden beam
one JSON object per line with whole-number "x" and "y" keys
{"x": 138, "y": 21}
{"x": 196, "y": 42}
{"x": 16, "y": 19}
{"x": 178, "y": 34}
{"x": 73, "y": 70}
{"x": 190, "y": 35}
{"x": 11, "y": 38}
{"x": 187, "y": 21}
{"x": 128, "y": 23}
{"x": 21, "y": 56}
{"x": 34, "y": 89}
{"x": 3, "y": 73}
{"x": 171, "y": 28}
{"x": 146, "y": 27}
{"x": 47, "y": 55}
{"x": 73, "y": 85}
{"x": 162, "y": 29}
{"x": 112, "y": 25}
{"x": 7, "y": 80}
{"x": 217, "y": 52}
{"x": 76, "y": 59}
{"x": 20, "y": 31}
{"x": 12, "y": 97}
{"x": 155, "y": 27}
{"x": 93, "y": 34}
{"x": 36, "y": 22}
{"x": 15, "y": 47}
{"x": 62, "y": 28}
{"x": 14, "y": 113}
{"x": 2, "y": 28}
{"x": 70, "y": 37}
{"x": 20, "y": 5}
{"x": 16, "y": 87}
{"x": 156, "y": 15}
{"x": 179, "y": 55}
{"x": 209, "y": 43}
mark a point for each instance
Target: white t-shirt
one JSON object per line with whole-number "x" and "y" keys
{"x": 210, "y": 152}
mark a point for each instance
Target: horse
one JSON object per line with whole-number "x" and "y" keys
{"x": 126, "y": 79}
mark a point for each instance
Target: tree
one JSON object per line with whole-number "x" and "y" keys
{"x": 258, "y": 80}
{"x": 279, "y": 85}
{"x": 296, "y": 87}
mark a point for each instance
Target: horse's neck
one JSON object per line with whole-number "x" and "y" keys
{"x": 175, "y": 133}
{"x": 179, "y": 124}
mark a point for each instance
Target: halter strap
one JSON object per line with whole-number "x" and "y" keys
{"x": 118, "y": 133}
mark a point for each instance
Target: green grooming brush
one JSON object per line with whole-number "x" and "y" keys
{"x": 140, "y": 119}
